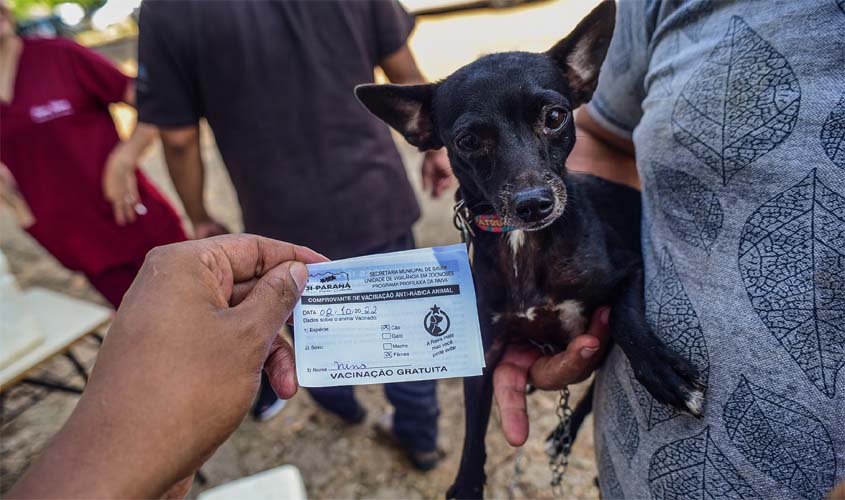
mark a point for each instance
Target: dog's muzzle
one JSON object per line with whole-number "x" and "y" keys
{"x": 534, "y": 205}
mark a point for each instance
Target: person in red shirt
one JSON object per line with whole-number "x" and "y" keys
{"x": 90, "y": 206}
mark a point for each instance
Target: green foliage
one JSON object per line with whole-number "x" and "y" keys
{"x": 24, "y": 9}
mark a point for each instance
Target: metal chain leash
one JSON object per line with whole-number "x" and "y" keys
{"x": 558, "y": 449}
{"x": 461, "y": 222}
{"x": 518, "y": 471}
{"x": 561, "y": 443}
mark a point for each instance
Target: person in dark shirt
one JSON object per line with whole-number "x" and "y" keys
{"x": 275, "y": 82}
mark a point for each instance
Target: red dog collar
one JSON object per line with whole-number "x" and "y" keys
{"x": 491, "y": 223}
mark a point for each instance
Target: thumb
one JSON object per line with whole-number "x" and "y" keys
{"x": 565, "y": 368}
{"x": 272, "y": 299}
{"x": 577, "y": 362}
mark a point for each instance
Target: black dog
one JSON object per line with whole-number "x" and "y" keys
{"x": 572, "y": 241}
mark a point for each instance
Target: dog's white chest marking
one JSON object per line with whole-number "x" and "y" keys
{"x": 530, "y": 314}
{"x": 516, "y": 239}
{"x": 571, "y": 315}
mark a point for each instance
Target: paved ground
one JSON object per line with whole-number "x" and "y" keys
{"x": 337, "y": 461}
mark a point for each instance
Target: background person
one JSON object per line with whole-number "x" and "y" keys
{"x": 732, "y": 115}
{"x": 309, "y": 164}
{"x": 60, "y": 151}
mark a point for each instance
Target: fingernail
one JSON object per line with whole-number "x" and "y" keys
{"x": 588, "y": 352}
{"x": 604, "y": 317}
{"x": 299, "y": 274}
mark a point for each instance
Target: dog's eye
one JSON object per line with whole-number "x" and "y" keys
{"x": 468, "y": 142}
{"x": 555, "y": 118}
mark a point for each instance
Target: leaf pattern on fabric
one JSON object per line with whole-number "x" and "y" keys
{"x": 782, "y": 439}
{"x": 691, "y": 209}
{"x": 833, "y": 132}
{"x": 695, "y": 468}
{"x": 841, "y": 5}
{"x": 608, "y": 481}
{"x": 792, "y": 261}
{"x": 626, "y": 433}
{"x": 740, "y": 104}
{"x": 671, "y": 316}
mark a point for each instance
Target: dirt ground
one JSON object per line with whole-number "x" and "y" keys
{"x": 336, "y": 460}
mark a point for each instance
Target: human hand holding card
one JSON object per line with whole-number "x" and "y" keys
{"x": 393, "y": 317}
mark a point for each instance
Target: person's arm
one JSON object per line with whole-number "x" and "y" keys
{"x": 401, "y": 68}
{"x": 178, "y": 370}
{"x": 168, "y": 96}
{"x": 600, "y": 152}
{"x": 10, "y": 195}
{"x": 184, "y": 162}
{"x": 120, "y": 185}
{"x": 105, "y": 83}
{"x": 129, "y": 93}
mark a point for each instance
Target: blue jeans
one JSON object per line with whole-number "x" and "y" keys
{"x": 415, "y": 418}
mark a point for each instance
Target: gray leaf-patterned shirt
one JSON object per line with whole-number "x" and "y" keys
{"x": 737, "y": 112}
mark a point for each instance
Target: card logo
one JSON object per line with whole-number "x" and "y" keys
{"x": 436, "y": 322}
{"x": 329, "y": 281}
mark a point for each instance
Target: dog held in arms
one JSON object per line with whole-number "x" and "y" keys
{"x": 564, "y": 243}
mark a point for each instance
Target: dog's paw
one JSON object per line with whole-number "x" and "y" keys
{"x": 694, "y": 399}
{"x": 671, "y": 379}
{"x": 461, "y": 490}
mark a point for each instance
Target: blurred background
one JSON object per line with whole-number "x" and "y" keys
{"x": 336, "y": 460}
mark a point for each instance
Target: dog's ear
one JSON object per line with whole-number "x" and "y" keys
{"x": 406, "y": 108}
{"x": 581, "y": 54}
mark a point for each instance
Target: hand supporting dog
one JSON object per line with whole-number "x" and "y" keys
{"x": 521, "y": 365}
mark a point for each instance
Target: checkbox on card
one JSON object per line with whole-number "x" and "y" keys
{"x": 387, "y": 346}
{"x": 385, "y": 336}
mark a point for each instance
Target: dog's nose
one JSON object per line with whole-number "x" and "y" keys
{"x": 535, "y": 204}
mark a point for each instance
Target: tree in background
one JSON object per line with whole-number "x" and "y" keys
{"x": 27, "y": 9}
